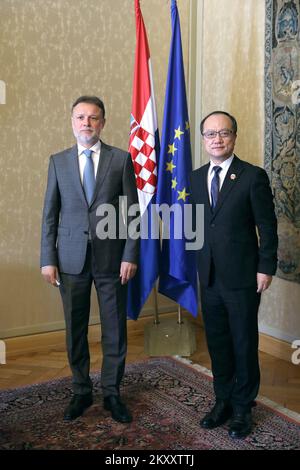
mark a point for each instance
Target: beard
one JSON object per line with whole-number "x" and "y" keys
{"x": 85, "y": 138}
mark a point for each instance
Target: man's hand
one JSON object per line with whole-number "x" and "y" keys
{"x": 263, "y": 281}
{"x": 127, "y": 271}
{"x": 50, "y": 274}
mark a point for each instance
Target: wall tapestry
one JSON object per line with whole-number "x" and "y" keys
{"x": 282, "y": 127}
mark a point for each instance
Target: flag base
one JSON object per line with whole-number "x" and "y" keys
{"x": 169, "y": 338}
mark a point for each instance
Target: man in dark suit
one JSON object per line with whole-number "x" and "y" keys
{"x": 235, "y": 265}
{"x": 84, "y": 182}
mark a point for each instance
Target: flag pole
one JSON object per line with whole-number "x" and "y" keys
{"x": 156, "y": 318}
{"x": 179, "y": 320}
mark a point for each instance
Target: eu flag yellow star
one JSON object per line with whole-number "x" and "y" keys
{"x": 187, "y": 125}
{"x": 170, "y": 166}
{"x": 178, "y": 133}
{"x": 174, "y": 183}
{"x": 182, "y": 195}
{"x": 172, "y": 149}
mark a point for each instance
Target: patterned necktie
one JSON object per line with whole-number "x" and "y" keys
{"x": 214, "y": 188}
{"x": 89, "y": 176}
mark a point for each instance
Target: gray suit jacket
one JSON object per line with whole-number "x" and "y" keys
{"x": 68, "y": 219}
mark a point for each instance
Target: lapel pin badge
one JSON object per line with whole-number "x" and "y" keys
{"x": 232, "y": 176}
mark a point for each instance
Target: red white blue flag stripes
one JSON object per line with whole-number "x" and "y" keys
{"x": 144, "y": 150}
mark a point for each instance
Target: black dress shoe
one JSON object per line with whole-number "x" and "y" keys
{"x": 240, "y": 425}
{"x": 118, "y": 410}
{"x": 77, "y": 405}
{"x": 220, "y": 413}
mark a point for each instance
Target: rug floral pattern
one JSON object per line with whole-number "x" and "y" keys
{"x": 167, "y": 399}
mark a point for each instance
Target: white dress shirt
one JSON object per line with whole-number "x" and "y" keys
{"x": 82, "y": 158}
{"x": 222, "y": 173}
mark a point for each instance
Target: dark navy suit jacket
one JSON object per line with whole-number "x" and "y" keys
{"x": 240, "y": 236}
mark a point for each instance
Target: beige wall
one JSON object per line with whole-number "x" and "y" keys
{"x": 231, "y": 67}
{"x": 51, "y": 52}
{"x": 229, "y": 75}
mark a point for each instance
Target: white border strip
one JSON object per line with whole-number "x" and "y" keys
{"x": 265, "y": 401}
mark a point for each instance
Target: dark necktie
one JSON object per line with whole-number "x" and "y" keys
{"x": 89, "y": 176}
{"x": 215, "y": 185}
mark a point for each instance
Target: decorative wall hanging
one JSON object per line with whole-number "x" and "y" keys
{"x": 282, "y": 127}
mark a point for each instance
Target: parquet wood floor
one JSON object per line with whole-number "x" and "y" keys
{"x": 38, "y": 358}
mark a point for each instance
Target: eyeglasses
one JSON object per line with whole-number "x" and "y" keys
{"x": 223, "y": 133}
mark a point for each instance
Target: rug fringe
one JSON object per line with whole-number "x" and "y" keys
{"x": 279, "y": 408}
{"x": 202, "y": 369}
{"x": 266, "y": 401}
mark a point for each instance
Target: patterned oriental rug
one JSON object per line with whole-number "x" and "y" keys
{"x": 167, "y": 396}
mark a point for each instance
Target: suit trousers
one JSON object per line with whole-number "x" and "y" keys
{"x": 76, "y": 294}
{"x": 230, "y": 319}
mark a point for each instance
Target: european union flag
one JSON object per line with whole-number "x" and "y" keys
{"x": 178, "y": 272}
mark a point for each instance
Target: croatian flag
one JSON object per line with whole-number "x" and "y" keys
{"x": 144, "y": 148}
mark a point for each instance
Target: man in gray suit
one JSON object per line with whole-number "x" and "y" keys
{"x": 82, "y": 180}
